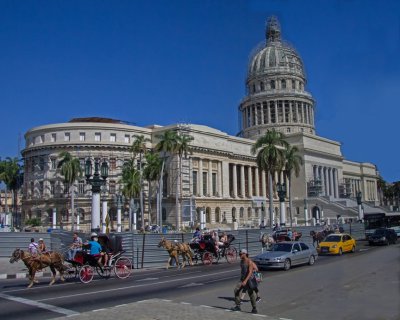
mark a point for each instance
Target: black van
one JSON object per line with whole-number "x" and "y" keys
{"x": 383, "y": 236}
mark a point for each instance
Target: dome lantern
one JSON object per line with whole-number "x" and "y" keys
{"x": 273, "y": 30}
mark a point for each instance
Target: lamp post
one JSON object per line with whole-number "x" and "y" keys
{"x": 96, "y": 180}
{"x": 119, "y": 200}
{"x": 359, "y": 203}
{"x": 281, "y": 187}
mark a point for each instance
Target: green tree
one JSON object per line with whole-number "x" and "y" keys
{"x": 168, "y": 144}
{"x": 70, "y": 169}
{"x": 11, "y": 173}
{"x": 152, "y": 173}
{"x": 139, "y": 148}
{"x": 270, "y": 149}
{"x": 293, "y": 163}
{"x": 130, "y": 181}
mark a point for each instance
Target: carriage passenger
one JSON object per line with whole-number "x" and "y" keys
{"x": 42, "y": 246}
{"x": 196, "y": 235}
{"x": 75, "y": 246}
{"x": 96, "y": 250}
{"x": 33, "y": 247}
{"x": 223, "y": 240}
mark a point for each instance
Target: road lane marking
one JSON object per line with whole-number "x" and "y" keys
{"x": 147, "y": 279}
{"x": 41, "y": 305}
{"x": 133, "y": 286}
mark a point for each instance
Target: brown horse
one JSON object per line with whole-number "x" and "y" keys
{"x": 174, "y": 250}
{"x": 54, "y": 260}
{"x": 186, "y": 253}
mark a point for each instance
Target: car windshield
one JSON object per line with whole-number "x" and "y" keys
{"x": 286, "y": 247}
{"x": 333, "y": 238}
{"x": 380, "y": 231}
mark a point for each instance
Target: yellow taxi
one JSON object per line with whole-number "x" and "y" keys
{"x": 337, "y": 243}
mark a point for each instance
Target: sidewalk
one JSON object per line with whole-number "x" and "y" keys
{"x": 157, "y": 309}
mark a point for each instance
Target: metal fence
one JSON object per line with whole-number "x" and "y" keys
{"x": 143, "y": 248}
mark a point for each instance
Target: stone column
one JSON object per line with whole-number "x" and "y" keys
{"x": 269, "y": 112}
{"x": 263, "y": 183}
{"x": 257, "y": 181}
{"x": 210, "y": 191}
{"x": 242, "y": 191}
{"x": 262, "y": 113}
{"x": 250, "y": 181}
{"x": 331, "y": 182}
{"x": 54, "y": 218}
{"x": 104, "y": 215}
{"x": 234, "y": 180}
{"x": 219, "y": 178}
{"x": 200, "y": 179}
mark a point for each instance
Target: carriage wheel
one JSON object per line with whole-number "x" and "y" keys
{"x": 86, "y": 273}
{"x": 207, "y": 258}
{"x": 123, "y": 267}
{"x": 71, "y": 271}
{"x": 104, "y": 272}
{"x": 231, "y": 255}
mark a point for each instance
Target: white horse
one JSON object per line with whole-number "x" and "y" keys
{"x": 266, "y": 240}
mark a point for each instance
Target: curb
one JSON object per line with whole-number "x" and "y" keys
{"x": 23, "y": 275}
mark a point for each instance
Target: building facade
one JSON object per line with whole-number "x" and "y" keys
{"x": 220, "y": 176}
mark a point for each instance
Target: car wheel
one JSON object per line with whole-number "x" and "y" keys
{"x": 286, "y": 265}
{"x": 340, "y": 252}
{"x": 311, "y": 261}
{"x": 353, "y": 249}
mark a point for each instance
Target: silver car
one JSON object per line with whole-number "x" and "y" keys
{"x": 286, "y": 254}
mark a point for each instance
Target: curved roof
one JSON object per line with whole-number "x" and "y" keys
{"x": 276, "y": 56}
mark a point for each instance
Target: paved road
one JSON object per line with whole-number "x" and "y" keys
{"x": 364, "y": 285}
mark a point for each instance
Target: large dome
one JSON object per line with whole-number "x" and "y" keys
{"x": 275, "y": 85}
{"x": 276, "y": 56}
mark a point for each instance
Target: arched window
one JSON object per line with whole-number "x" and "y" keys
{"x": 217, "y": 214}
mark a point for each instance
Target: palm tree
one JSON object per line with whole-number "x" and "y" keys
{"x": 151, "y": 173}
{"x": 139, "y": 147}
{"x": 12, "y": 175}
{"x": 182, "y": 149}
{"x": 131, "y": 183}
{"x": 270, "y": 150}
{"x": 293, "y": 162}
{"x": 168, "y": 144}
{"x": 70, "y": 169}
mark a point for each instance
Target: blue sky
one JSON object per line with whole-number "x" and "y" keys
{"x": 162, "y": 62}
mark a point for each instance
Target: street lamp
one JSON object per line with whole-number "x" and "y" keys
{"x": 96, "y": 180}
{"x": 359, "y": 203}
{"x": 281, "y": 187}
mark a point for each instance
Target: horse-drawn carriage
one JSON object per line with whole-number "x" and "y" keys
{"x": 286, "y": 234}
{"x": 84, "y": 265}
{"x": 205, "y": 250}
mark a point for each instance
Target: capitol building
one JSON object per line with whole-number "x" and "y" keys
{"x": 220, "y": 176}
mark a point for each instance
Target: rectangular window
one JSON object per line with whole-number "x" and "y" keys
{"x": 41, "y": 163}
{"x": 113, "y": 137}
{"x": 52, "y": 188}
{"x": 67, "y": 136}
{"x": 127, "y": 138}
{"x": 214, "y": 184}
{"x": 195, "y": 191}
{"x": 204, "y": 186}
{"x": 41, "y": 187}
{"x": 113, "y": 164}
{"x": 283, "y": 84}
{"x": 97, "y": 137}
{"x": 53, "y": 137}
{"x": 53, "y": 163}
{"x": 81, "y": 187}
{"x": 82, "y": 136}
{"x": 66, "y": 188}
{"x": 112, "y": 186}
{"x": 293, "y": 84}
